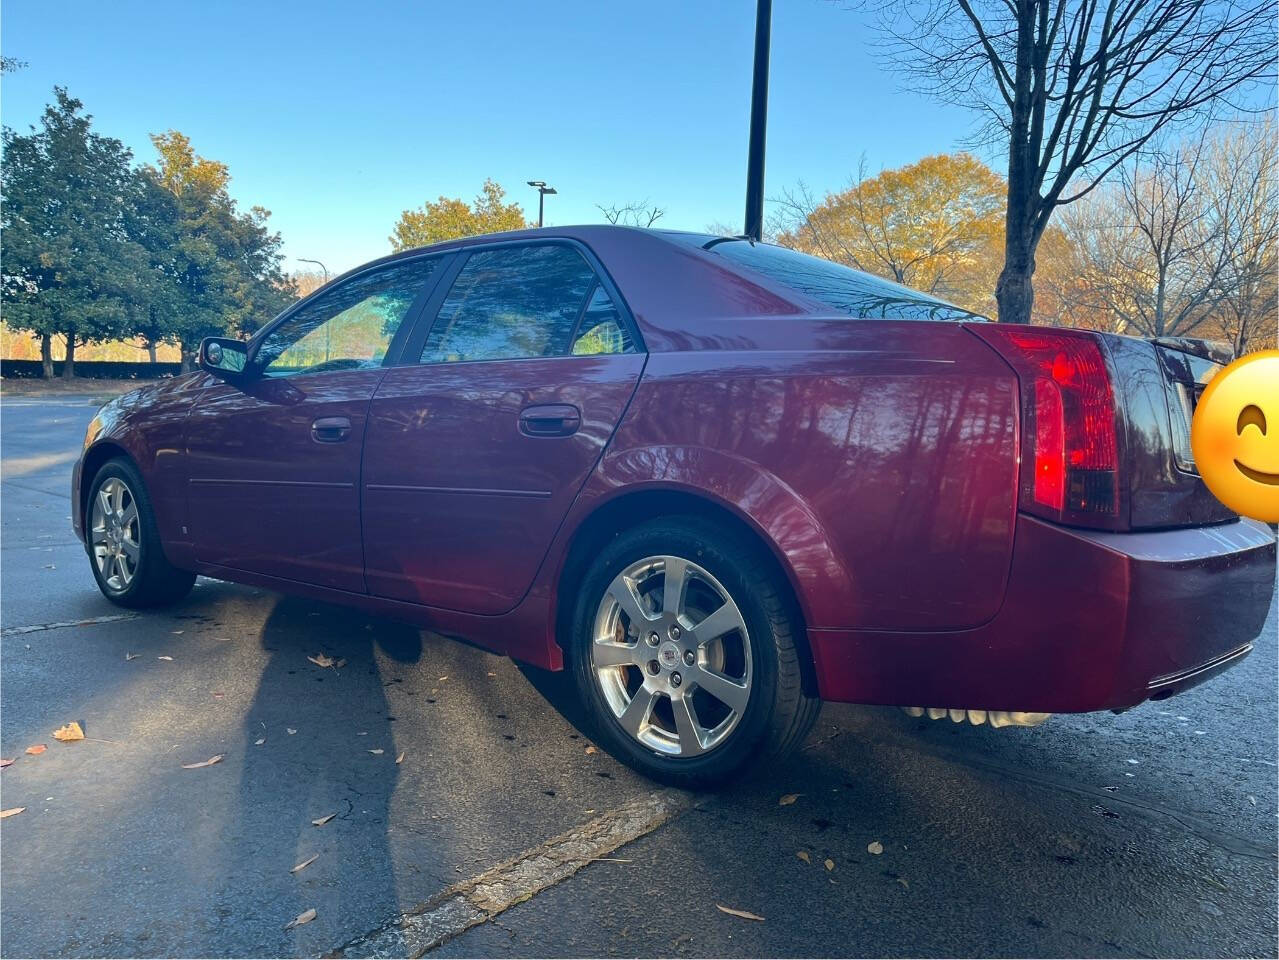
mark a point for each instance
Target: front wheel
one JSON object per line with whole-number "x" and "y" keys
{"x": 124, "y": 544}
{"x": 685, "y": 651}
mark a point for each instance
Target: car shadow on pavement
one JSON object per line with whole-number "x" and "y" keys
{"x": 318, "y": 743}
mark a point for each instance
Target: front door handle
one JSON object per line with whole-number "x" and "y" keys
{"x": 550, "y": 420}
{"x": 330, "y": 429}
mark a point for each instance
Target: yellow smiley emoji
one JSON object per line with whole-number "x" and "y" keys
{"x": 1235, "y": 436}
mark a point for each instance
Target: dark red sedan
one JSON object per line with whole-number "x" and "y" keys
{"x": 718, "y": 480}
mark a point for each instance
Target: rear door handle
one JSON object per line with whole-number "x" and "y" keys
{"x": 550, "y": 420}
{"x": 330, "y": 429}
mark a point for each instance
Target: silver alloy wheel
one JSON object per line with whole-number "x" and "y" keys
{"x": 671, "y": 655}
{"x": 117, "y": 534}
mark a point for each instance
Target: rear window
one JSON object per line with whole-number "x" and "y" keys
{"x": 846, "y": 290}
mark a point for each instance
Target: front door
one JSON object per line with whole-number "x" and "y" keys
{"x": 474, "y": 454}
{"x": 274, "y": 461}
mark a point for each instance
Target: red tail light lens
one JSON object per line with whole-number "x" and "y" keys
{"x": 1070, "y": 460}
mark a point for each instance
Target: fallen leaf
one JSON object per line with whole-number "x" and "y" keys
{"x": 376, "y": 752}
{"x": 132, "y": 656}
{"x": 292, "y": 730}
{"x": 218, "y": 696}
{"x": 324, "y": 819}
{"x": 178, "y": 633}
{"x": 306, "y": 916}
{"x": 259, "y": 741}
{"x": 745, "y": 915}
{"x": 203, "y": 763}
{"x": 803, "y": 855}
{"x": 362, "y": 733}
{"x": 788, "y": 798}
{"x": 829, "y": 864}
{"x": 11, "y": 812}
{"x": 305, "y": 863}
{"x": 442, "y": 679}
{"x": 71, "y": 731}
{"x": 38, "y": 749}
{"x": 875, "y": 847}
{"x": 400, "y": 758}
{"x": 591, "y": 750}
{"x": 341, "y": 662}
{"x": 320, "y": 660}
{"x": 904, "y": 882}
{"x": 164, "y": 658}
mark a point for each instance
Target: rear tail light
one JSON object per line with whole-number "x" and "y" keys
{"x": 1070, "y": 455}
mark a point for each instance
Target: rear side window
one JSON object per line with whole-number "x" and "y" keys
{"x": 601, "y": 329}
{"x": 510, "y": 303}
{"x": 848, "y": 291}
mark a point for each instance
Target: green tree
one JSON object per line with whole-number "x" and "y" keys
{"x": 450, "y": 217}
{"x": 70, "y": 266}
{"x": 220, "y": 269}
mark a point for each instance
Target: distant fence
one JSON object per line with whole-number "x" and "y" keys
{"x": 92, "y": 369}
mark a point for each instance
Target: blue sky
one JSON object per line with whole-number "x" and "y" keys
{"x": 338, "y": 116}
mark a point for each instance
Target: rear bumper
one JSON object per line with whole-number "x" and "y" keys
{"x": 1090, "y": 621}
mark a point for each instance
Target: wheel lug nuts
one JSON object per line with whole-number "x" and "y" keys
{"x": 654, "y": 640}
{"x": 674, "y": 631}
{"x": 690, "y": 657}
{"x": 653, "y": 668}
{"x": 676, "y": 679}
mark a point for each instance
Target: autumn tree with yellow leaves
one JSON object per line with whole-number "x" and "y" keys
{"x": 450, "y": 217}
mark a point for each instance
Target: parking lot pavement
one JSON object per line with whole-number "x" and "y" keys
{"x": 1149, "y": 833}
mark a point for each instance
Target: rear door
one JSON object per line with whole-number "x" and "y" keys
{"x": 527, "y": 359}
{"x": 274, "y": 462}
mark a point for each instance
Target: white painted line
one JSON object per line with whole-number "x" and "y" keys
{"x": 37, "y": 627}
{"x": 483, "y": 897}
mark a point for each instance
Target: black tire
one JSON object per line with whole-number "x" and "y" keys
{"x": 155, "y": 582}
{"x": 778, "y": 713}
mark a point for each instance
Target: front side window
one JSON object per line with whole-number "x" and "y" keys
{"x": 510, "y": 303}
{"x": 349, "y": 327}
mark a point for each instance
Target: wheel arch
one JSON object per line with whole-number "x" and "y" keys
{"x": 94, "y": 458}
{"x": 628, "y": 509}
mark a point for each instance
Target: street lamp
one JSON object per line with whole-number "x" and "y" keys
{"x": 759, "y": 118}
{"x": 542, "y": 190}
{"x": 328, "y": 327}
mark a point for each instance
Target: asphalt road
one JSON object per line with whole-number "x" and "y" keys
{"x": 1150, "y": 833}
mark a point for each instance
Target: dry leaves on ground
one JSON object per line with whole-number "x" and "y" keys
{"x": 321, "y": 660}
{"x": 400, "y": 758}
{"x": 788, "y": 798}
{"x": 259, "y": 741}
{"x": 292, "y": 730}
{"x": 203, "y": 763}
{"x": 132, "y": 656}
{"x": 592, "y": 750}
{"x": 305, "y": 863}
{"x": 829, "y": 864}
{"x": 36, "y": 750}
{"x": 321, "y": 821}
{"x": 803, "y": 855}
{"x": 744, "y": 914}
{"x": 875, "y": 847}
{"x": 377, "y": 752}
{"x": 11, "y": 812}
{"x": 69, "y": 732}
{"x": 306, "y": 916}
{"x": 5, "y": 761}
{"x": 164, "y": 658}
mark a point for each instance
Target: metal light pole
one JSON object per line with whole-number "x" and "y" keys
{"x": 759, "y": 120}
{"x": 542, "y": 191}
{"x": 328, "y": 331}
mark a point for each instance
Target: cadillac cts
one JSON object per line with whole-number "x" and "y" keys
{"x": 717, "y": 480}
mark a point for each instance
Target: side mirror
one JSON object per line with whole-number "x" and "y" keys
{"x": 224, "y": 357}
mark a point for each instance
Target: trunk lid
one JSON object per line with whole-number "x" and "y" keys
{"x": 1157, "y": 385}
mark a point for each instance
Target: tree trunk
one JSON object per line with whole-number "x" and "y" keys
{"x": 151, "y": 351}
{"x": 68, "y": 365}
{"x": 46, "y": 356}
{"x": 188, "y": 358}
{"x": 1014, "y": 292}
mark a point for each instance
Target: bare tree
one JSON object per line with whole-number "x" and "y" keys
{"x": 1183, "y": 243}
{"x": 637, "y": 213}
{"x": 1075, "y": 88}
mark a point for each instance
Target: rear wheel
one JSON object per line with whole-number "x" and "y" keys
{"x": 123, "y": 542}
{"x": 684, "y": 649}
